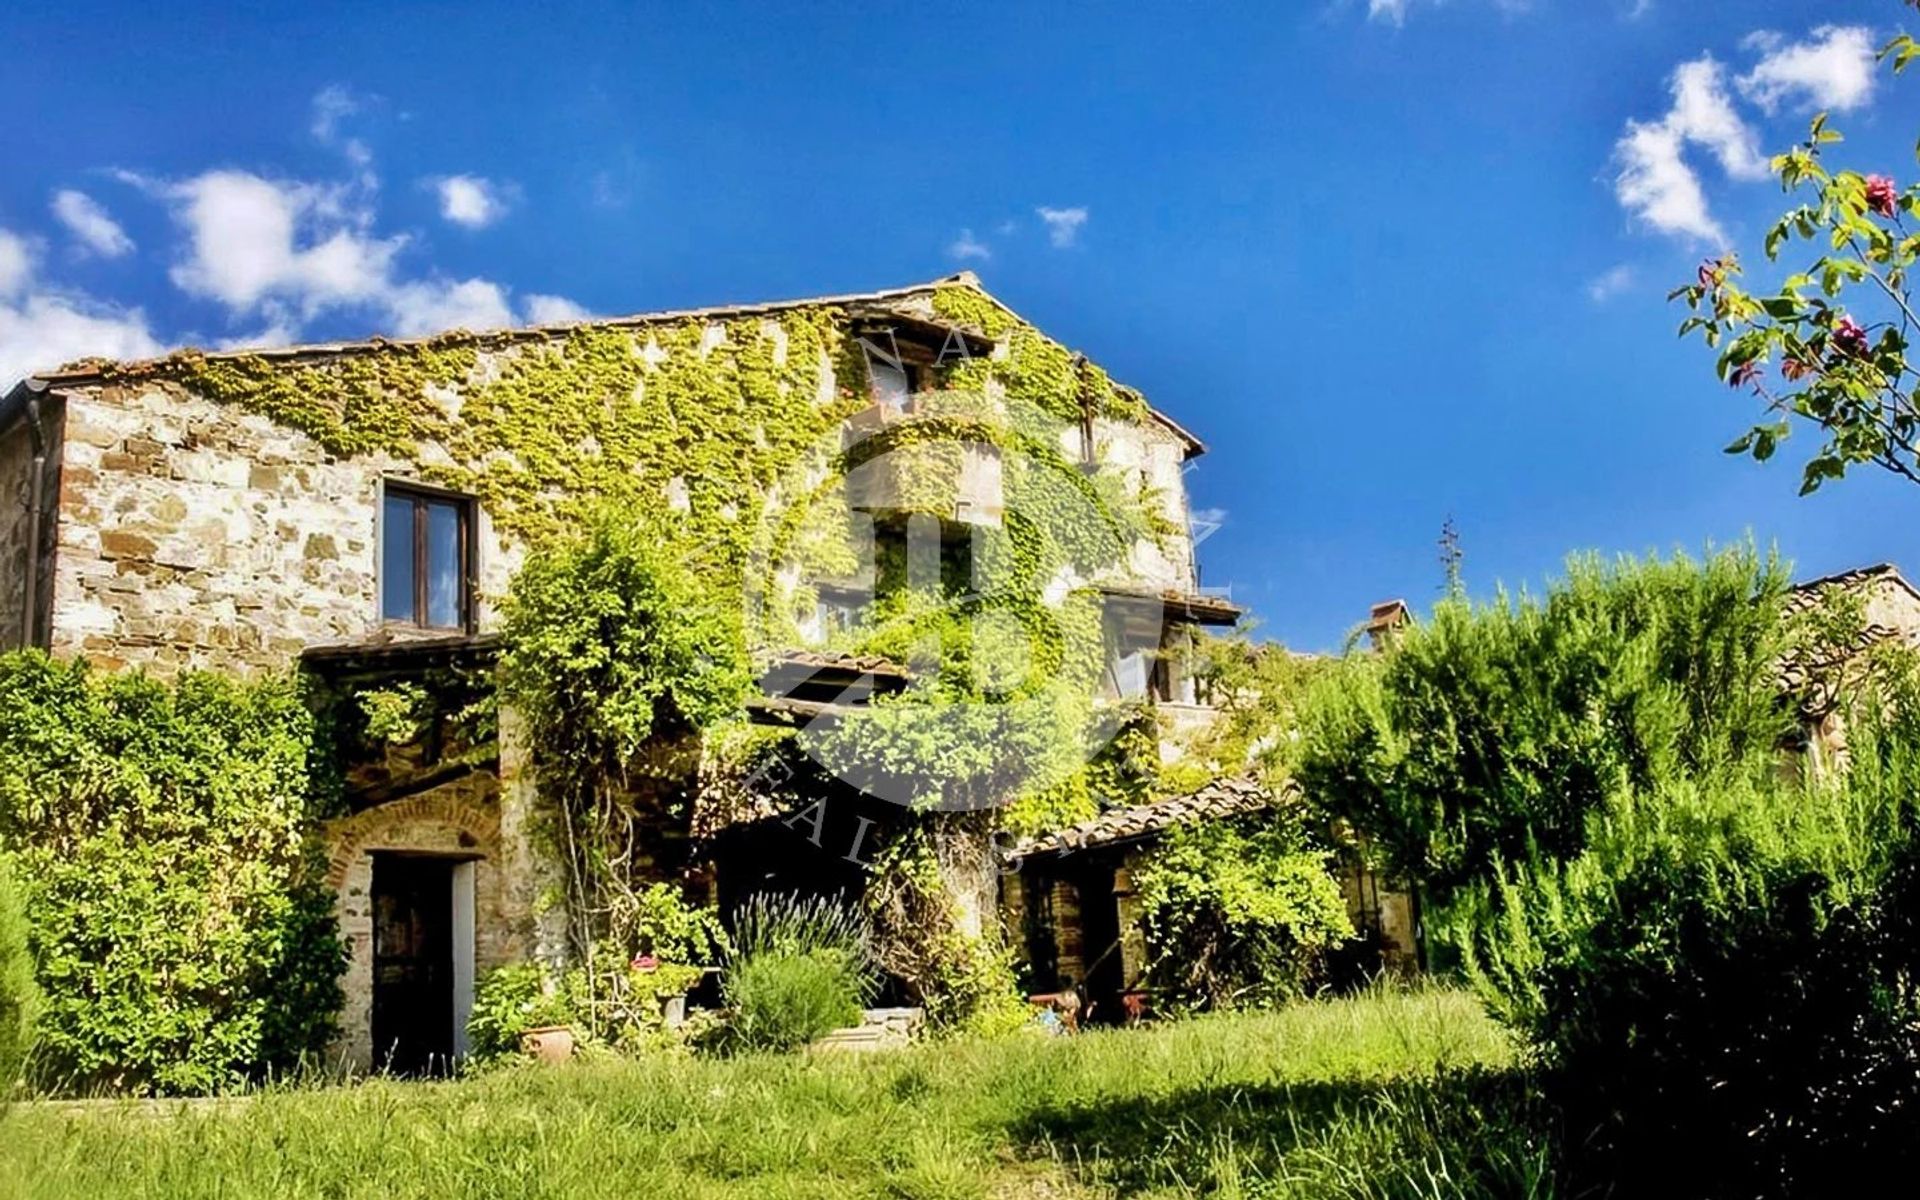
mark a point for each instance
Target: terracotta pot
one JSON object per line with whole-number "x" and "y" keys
{"x": 548, "y": 1043}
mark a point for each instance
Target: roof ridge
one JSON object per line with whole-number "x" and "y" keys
{"x": 518, "y": 332}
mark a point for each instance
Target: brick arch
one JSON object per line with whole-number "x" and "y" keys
{"x": 417, "y": 823}
{"x": 459, "y": 818}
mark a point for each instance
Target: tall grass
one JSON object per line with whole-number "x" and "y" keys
{"x": 1385, "y": 1095}
{"x": 19, "y": 994}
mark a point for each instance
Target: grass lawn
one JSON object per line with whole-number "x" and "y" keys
{"x": 1381, "y": 1095}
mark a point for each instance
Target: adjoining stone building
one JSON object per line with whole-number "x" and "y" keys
{"x": 358, "y": 509}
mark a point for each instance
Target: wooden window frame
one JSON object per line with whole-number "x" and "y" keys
{"x": 422, "y": 498}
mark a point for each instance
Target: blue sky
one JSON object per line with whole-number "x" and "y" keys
{"x": 1394, "y": 260}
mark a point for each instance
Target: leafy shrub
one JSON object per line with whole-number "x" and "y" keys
{"x": 19, "y": 994}
{"x": 177, "y": 912}
{"x": 1723, "y": 982}
{"x": 670, "y": 929}
{"x": 507, "y": 1002}
{"x": 1715, "y": 955}
{"x": 1238, "y": 912}
{"x": 799, "y": 969}
{"x": 615, "y": 652}
{"x": 1493, "y": 731}
{"x": 964, "y": 979}
{"x": 611, "y": 640}
{"x": 614, "y": 1006}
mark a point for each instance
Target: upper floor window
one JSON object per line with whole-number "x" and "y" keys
{"x": 426, "y": 555}
{"x": 893, "y": 383}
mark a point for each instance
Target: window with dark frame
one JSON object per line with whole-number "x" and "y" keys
{"x": 426, "y": 558}
{"x": 893, "y": 383}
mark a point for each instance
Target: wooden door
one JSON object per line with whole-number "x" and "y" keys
{"x": 412, "y": 964}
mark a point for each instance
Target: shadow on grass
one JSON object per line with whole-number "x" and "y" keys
{"x": 1474, "y": 1133}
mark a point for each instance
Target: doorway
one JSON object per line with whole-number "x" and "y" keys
{"x": 1100, "y": 991}
{"x": 422, "y": 961}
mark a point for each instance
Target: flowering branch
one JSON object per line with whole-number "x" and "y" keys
{"x": 1841, "y": 352}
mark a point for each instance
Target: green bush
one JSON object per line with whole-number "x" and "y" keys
{"x": 1238, "y": 912}
{"x": 176, "y": 907}
{"x": 799, "y": 969}
{"x": 1723, "y": 982}
{"x": 1713, "y": 947}
{"x": 19, "y": 994}
{"x": 1493, "y": 731}
{"x": 507, "y": 1002}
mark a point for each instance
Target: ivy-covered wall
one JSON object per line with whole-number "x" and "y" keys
{"x": 221, "y": 511}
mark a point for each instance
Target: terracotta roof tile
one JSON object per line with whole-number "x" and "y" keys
{"x": 865, "y": 664}
{"x": 1220, "y": 799}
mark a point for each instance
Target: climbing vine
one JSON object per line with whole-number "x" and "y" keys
{"x": 654, "y": 469}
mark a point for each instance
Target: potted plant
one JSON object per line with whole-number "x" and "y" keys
{"x": 546, "y": 1028}
{"x": 669, "y": 984}
{"x": 676, "y": 940}
{"x": 519, "y": 1009}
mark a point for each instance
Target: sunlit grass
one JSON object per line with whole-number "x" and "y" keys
{"x": 1387, "y": 1094}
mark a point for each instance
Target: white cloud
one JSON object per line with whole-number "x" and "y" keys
{"x": 1394, "y": 12}
{"x": 1638, "y": 9}
{"x": 436, "y": 306}
{"x": 1063, "y": 224}
{"x": 285, "y": 252}
{"x": 88, "y": 222}
{"x": 331, "y": 105}
{"x": 1832, "y": 69}
{"x": 42, "y": 328}
{"x": 16, "y": 263}
{"x": 471, "y": 201}
{"x": 552, "y": 310}
{"x": 47, "y": 330}
{"x": 1610, "y": 283}
{"x": 1703, "y": 113}
{"x": 967, "y": 246}
{"x": 1656, "y": 183}
{"x": 254, "y": 241}
{"x": 282, "y": 328}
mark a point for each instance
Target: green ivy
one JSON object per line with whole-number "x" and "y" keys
{"x": 1238, "y": 912}
{"x": 618, "y": 658}
{"x": 182, "y": 930}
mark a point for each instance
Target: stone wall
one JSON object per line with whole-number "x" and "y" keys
{"x": 20, "y": 541}
{"x": 195, "y": 535}
{"x": 1158, "y": 459}
{"x": 16, "y": 536}
{"x": 459, "y": 819}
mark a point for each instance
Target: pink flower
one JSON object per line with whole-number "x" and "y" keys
{"x": 645, "y": 962}
{"x": 1881, "y": 195}
{"x": 1849, "y": 338}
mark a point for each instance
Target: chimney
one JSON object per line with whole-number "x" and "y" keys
{"x": 1385, "y": 621}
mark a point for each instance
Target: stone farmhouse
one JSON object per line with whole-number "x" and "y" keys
{"x": 357, "y": 510}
